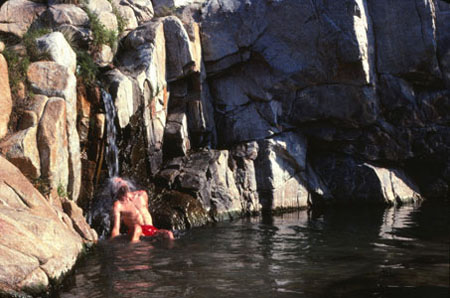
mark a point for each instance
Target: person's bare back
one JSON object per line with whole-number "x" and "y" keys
{"x": 131, "y": 208}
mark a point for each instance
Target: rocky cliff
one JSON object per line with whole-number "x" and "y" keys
{"x": 230, "y": 107}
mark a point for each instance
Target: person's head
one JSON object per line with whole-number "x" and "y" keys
{"x": 122, "y": 191}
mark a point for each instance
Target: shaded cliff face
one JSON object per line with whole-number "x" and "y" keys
{"x": 242, "y": 106}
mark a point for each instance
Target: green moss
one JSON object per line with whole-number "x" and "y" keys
{"x": 87, "y": 70}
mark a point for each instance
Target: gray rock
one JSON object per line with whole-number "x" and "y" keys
{"x": 277, "y": 168}
{"x": 59, "y": 50}
{"x": 28, "y": 12}
{"x": 443, "y": 40}
{"x": 143, "y": 9}
{"x": 180, "y": 57}
{"x": 355, "y": 182}
{"x": 176, "y": 136}
{"x": 121, "y": 90}
{"x": 405, "y": 39}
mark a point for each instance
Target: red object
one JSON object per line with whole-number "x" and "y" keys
{"x": 149, "y": 230}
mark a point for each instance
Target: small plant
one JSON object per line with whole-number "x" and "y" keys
{"x": 42, "y": 185}
{"x": 17, "y": 68}
{"x": 61, "y": 190}
{"x": 101, "y": 35}
{"x": 165, "y": 11}
{"x": 121, "y": 20}
{"x": 29, "y": 40}
{"x": 87, "y": 70}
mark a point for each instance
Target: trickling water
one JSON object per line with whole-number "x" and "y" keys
{"x": 112, "y": 153}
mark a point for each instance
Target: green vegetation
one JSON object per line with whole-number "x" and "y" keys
{"x": 17, "y": 68}
{"x": 101, "y": 35}
{"x": 165, "y": 11}
{"x": 18, "y": 64}
{"x": 121, "y": 20}
{"x": 61, "y": 190}
{"x": 87, "y": 70}
{"x": 42, "y": 185}
{"x": 29, "y": 41}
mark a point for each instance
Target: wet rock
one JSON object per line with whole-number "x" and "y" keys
{"x": 36, "y": 245}
{"x": 58, "y": 49}
{"x": 5, "y": 97}
{"x": 28, "y": 12}
{"x": 225, "y": 188}
{"x": 178, "y": 211}
{"x": 176, "y": 136}
{"x": 122, "y": 91}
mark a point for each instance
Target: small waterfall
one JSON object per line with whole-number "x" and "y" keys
{"x": 112, "y": 153}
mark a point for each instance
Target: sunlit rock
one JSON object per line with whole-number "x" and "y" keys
{"x": 56, "y": 46}
{"x": 16, "y": 16}
{"x": 5, "y": 97}
{"x": 52, "y": 79}
{"x": 36, "y": 245}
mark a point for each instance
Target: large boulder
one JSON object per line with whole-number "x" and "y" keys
{"x": 21, "y": 150}
{"x": 405, "y": 39}
{"x": 56, "y": 46}
{"x": 52, "y": 143}
{"x": 180, "y": 56}
{"x": 16, "y": 16}
{"x": 280, "y": 161}
{"x": 5, "y": 97}
{"x": 38, "y": 243}
{"x": 144, "y": 56}
{"x": 55, "y": 80}
{"x": 351, "y": 181}
{"x": 104, "y": 12}
{"x": 222, "y": 181}
{"x": 142, "y": 9}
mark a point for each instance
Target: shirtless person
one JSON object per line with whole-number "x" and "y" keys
{"x": 131, "y": 208}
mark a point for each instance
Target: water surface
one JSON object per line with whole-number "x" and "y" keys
{"x": 347, "y": 252}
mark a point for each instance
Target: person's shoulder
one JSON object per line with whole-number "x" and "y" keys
{"x": 117, "y": 205}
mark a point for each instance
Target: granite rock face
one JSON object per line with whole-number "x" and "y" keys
{"x": 38, "y": 242}
{"x": 5, "y": 97}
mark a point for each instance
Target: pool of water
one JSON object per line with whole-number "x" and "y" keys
{"x": 344, "y": 252}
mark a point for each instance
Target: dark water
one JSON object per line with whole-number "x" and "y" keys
{"x": 357, "y": 252}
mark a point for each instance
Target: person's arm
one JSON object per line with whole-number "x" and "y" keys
{"x": 116, "y": 220}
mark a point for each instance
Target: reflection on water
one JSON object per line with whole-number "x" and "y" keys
{"x": 368, "y": 252}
